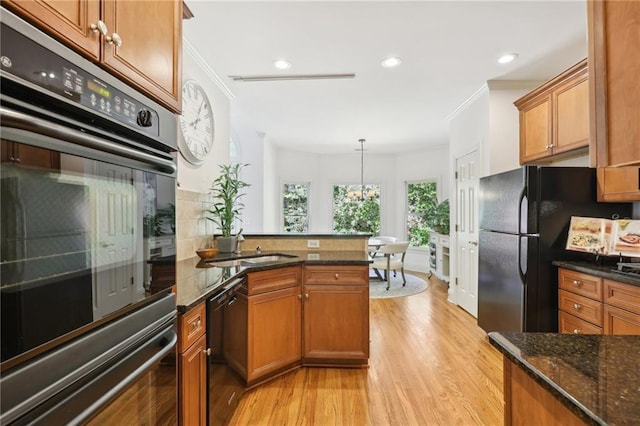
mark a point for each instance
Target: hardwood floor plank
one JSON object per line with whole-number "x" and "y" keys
{"x": 430, "y": 364}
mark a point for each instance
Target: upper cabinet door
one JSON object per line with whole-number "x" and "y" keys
{"x": 70, "y": 21}
{"x": 150, "y": 52}
{"x": 138, "y": 41}
{"x": 614, "y": 67}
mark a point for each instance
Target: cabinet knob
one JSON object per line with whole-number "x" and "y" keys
{"x": 208, "y": 352}
{"x": 99, "y": 27}
{"x": 577, "y": 306}
{"x": 114, "y": 39}
{"x": 577, "y": 283}
{"x": 306, "y": 295}
{"x": 576, "y": 331}
{"x": 299, "y": 296}
{"x": 337, "y": 276}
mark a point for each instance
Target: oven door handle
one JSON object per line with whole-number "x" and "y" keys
{"x": 19, "y": 120}
{"x": 86, "y": 400}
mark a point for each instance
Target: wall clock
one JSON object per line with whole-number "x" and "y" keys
{"x": 196, "y": 123}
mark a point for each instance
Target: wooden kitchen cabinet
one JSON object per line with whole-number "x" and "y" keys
{"x": 622, "y": 308}
{"x": 592, "y": 305}
{"x": 554, "y": 118}
{"x": 619, "y": 183}
{"x": 614, "y": 93}
{"x": 150, "y": 54}
{"x": 336, "y": 315}
{"x": 192, "y": 367}
{"x": 272, "y": 318}
{"x": 22, "y": 155}
{"x": 580, "y": 309}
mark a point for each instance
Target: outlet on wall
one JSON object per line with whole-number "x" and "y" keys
{"x": 313, "y": 243}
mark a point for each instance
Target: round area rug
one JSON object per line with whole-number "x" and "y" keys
{"x": 378, "y": 289}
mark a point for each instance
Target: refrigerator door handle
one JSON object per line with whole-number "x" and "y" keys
{"x": 522, "y": 259}
{"x": 521, "y": 199}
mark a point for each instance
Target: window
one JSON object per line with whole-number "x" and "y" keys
{"x": 295, "y": 198}
{"x": 352, "y": 213}
{"x": 423, "y": 212}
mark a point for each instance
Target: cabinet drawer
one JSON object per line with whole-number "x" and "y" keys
{"x": 621, "y": 295}
{"x": 568, "y": 323}
{"x": 336, "y": 275}
{"x": 274, "y": 279}
{"x": 192, "y": 325}
{"x": 618, "y": 321}
{"x": 582, "y": 284}
{"x": 580, "y": 306}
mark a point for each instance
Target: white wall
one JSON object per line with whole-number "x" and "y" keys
{"x": 199, "y": 178}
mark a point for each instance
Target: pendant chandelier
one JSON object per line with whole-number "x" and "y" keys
{"x": 360, "y": 194}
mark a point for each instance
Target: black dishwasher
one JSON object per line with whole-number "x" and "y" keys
{"x": 226, "y": 335}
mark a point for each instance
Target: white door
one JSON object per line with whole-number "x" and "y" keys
{"x": 467, "y": 169}
{"x": 114, "y": 247}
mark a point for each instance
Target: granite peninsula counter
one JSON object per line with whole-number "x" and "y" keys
{"x": 198, "y": 279}
{"x": 570, "y": 379}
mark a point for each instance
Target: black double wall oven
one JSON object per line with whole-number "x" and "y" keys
{"x": 87, "y": 209}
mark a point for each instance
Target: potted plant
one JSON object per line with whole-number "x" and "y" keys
{"x": 441, "y": 218}
{"x": 227, "y": 191}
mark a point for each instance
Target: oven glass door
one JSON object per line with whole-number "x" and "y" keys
{"x": 79, "y": 240}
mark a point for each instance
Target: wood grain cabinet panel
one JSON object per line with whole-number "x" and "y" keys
{"x": 614, "y": 94}
{"x": 582, "y": 307}
{"x": 571, "y": 324}
{"x": 619, "y": 183}
{"x": 554, "y": 117}
{"x": 336, "y": 315}
{"x": 580, "y": 283}
{"x": 150, "y": 55}
{"x": 591, "y": 305}
{"x": 274, "y": 332}
{"x": 192, "y": 382}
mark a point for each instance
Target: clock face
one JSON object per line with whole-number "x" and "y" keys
{"x": 196, "y": 123}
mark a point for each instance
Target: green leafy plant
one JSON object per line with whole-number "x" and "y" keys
{"x": 227, "y": 191}
{"x": 441, "y": 218}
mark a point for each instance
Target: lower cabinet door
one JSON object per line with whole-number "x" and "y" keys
{"x": 274, "y": 332}
{"x": 193, "y": 384}
{"x": 619, "y": 321}
{"x": 336, "y": 322}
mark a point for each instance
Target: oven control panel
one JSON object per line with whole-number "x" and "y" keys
{"x": 26, "y": 59}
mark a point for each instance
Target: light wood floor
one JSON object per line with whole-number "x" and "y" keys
{"x": 430, "y": 365}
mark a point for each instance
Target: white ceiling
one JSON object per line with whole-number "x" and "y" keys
{"x": 448, "y": 48}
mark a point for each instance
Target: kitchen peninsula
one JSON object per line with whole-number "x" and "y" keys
{"x": 274, "y": 307}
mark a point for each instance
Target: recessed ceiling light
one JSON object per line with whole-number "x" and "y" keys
{"x": 281, "y": 64}
{"x": 391, "y": 62}
{"x": 509, "y": 57}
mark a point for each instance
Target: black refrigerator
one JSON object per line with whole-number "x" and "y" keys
{"x": 524, "y": 221}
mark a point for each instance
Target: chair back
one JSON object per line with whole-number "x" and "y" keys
{"x": 380, "y": 240}
{"x": 394, "y": 248}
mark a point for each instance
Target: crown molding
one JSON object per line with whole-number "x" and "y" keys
{"x": 470, "y": 100}
{"x": 188, "y": 48}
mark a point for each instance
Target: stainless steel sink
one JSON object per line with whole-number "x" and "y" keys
{"x": 247, "y": 261}
{"x": 266, "y": 258}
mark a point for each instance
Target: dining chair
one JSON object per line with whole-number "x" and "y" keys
{"x": 393, "y": 260}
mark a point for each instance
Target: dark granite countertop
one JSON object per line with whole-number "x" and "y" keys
{"x": 596, "y": 376}
{"x": 598, "y": 270}
{"x": 197, "y": 279}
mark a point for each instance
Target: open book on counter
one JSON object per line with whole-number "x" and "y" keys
{"x": 607, "y": 237}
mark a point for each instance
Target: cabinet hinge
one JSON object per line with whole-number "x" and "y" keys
{"x": 456, "y": 174}
{"x": 456, "y": 227}
{"x": 456, "y": 280}
{"x": 131, "y": 280}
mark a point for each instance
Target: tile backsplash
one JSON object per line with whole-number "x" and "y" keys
{"x": 194, "y": 230}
